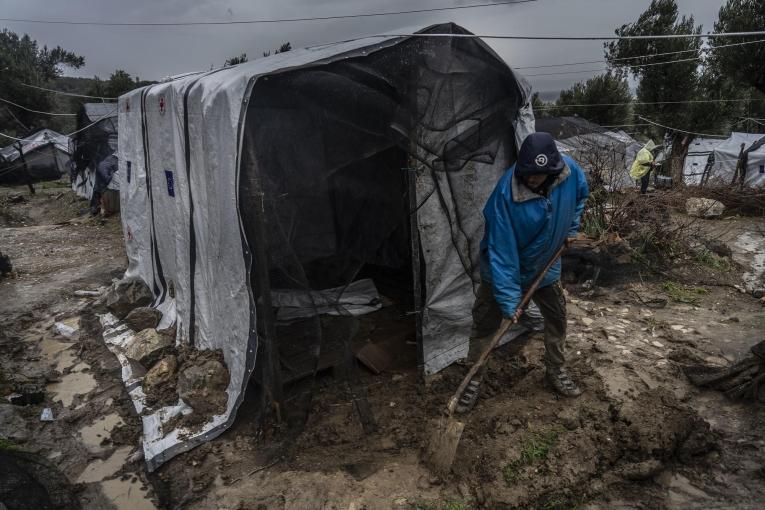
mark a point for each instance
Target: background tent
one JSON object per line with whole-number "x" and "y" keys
{"x": 291, "y": 177}
{"x": 95, "y": 139}
{"x": 697, "y": 161}
{"x": 598, "y": 150}
{"x": 45, "y": 153}
{"x": 746, "y": 147}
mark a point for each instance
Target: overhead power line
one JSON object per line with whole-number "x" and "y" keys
{"x": 257, "y": 21}
{"x": 639, "y": 56}
{"x": 102, "y": 117}
{"x": 13, "y": 137}
{"x": 606, "y": 68}
{"x": 680, "y": 130}
{"x": 546, "y": 107}
{"x": 570, "y": 38}
{"x": 72, "y": 94}
{"x": 36, "y": 111}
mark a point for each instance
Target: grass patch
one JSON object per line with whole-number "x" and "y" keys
{"x": 6, "y": 444}
{"x": 709, "y": 259}
{"x": 51, "y": 185}
{"x": 535, "y": 446}
{"x": 683, "y": 294}
{"x": 449, "y": 504}
{"x": 562, "y": 503}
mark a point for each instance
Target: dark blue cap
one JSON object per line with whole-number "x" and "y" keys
{"x": 539, "y": 155}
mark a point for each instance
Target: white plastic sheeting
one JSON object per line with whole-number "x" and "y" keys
{"x": 697, "y": 159}
{"x": 358, "y": 298}
{"x": 727, "y": 155}
{"x": 46, "y": 153}
{"x": 611, "y": 152}
{"x": 179, "y": 149}
{"x": 34, "y": 142}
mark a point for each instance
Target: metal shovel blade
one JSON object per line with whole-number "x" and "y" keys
{"x": 442, "y": 446}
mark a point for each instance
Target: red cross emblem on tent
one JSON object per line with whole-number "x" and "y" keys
{"x": 162, "y": 104}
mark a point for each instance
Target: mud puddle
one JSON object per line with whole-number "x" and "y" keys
{"x": 77, "y": 383}
{"x": 127, "y": 494}
{"x": 95, "y": 434}
{"x": 100, "y": 470}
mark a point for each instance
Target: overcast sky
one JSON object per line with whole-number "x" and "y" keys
{"x": 155, "y": 52}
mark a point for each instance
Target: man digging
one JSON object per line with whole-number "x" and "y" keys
{"x": 534, "y": 209}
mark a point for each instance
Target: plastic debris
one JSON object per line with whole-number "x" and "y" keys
{"x": 87, "y": 293}
{"x": 65, "y": 330}
{"x": 47, "y": 414}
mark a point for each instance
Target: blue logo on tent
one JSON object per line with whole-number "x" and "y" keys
{"x": 170, "y": 183}
{"x": 129, "y": 168}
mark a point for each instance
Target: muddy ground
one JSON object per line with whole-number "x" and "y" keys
{"x": 640, "y": 437}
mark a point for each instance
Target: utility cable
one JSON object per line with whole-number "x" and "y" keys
{"x": 257, "y": 21}
{"x": 688, "y": 101}
{"x": 13, "y": 137}
{"x": 607, "y": 68}
{"x": 102, "y": 117}
{"x": 601, "y": 61}
{"x": 568, "y": 38}
{"x": 36, "y": 111}
{"x": 72, "y": 94}
{"x": 680, "y": 130}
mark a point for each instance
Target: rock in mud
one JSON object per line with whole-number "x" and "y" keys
{"x": 12, "y": 424}
{"x": 704, "y": 207}
{"x": 641, "y": 470}
{"x": 170, "y": 331}
{"x": 148, "y": 346}
{"x": 90, "y": 326}
{"x": 159, "y": 385}
{"x": 125, "y": 295}
{"x": 143, "y": 317}
{"x": 202, "y": 384}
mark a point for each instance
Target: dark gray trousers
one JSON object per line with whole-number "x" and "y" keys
{"x": 487, "y": 317}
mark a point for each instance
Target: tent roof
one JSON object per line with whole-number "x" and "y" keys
{"x": 96, "y": 111}
{"x": 566, "y": 127}
{"x": 733, "y": 144}
{"x": 36, "y": 140}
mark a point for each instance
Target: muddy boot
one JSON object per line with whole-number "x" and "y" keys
{"x": 559, "y": 379}
{"x": 470, "y": 395}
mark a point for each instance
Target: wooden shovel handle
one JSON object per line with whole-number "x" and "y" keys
{"x": 503, "y": 327}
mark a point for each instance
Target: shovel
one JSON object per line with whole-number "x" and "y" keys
{"x": 447, "y": 431}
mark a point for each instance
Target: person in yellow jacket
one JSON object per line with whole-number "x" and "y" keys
{"x": 643, "y": 164}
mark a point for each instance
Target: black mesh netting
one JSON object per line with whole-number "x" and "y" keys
{"x": 95, "y": 138}
{"x": 332, "y": 156}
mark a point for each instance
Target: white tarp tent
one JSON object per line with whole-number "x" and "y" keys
{"x": 611, "y": 152}
{"x": 728, "y": 153}
{"x": 697, "y": 160}
{"x": 46, "y": 153}
{"x": 191, "y": 151}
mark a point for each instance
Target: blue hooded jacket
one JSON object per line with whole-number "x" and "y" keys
{"x": 525, "y": 229}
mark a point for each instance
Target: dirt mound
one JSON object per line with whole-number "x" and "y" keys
{"x": 656, "y": 426}
{"x": 531, "y": 450}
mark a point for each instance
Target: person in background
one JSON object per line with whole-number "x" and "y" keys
{"x": 104, "y": 172}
